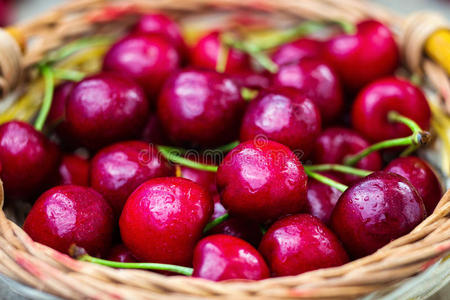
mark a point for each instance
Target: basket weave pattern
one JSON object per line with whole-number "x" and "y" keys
{"x": 44, "y": 268}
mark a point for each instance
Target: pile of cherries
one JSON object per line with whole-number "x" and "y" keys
{"x": 203, "y": 163}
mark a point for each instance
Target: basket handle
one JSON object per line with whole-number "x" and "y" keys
{"x": 11, "y": 68}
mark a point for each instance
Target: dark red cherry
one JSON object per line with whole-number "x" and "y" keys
{"x": 294, "y": 51}
{"x": 322, "y": 198}
{"x": 73, "y": 169}
{"x": 283, "y": 115}
{"x": 262, "y": 180}
{"x": 301, "y": 243}
{"x": 164, "y": 218}
{"x": 164, "y": 26}
{"x": 246, "y": 230}
{"x": 376, "y": 210}
{"x": 250, "y": 79}
{"x": 204, "y": 178}
{"x": 106, "y": 108}
{"x": 148, "y": 59}
{"x": 57, "y": 114}
{"x": 219, "y": 210}
{"x": 316, "y": 80}
{"x": 153, "y": 131}
{"x": 334, "y": 144}
{"x": 363, "y": 57}
{"x": 117, "y": 170}
{"x": 27, "y": 157}
{"x": 371, "y": 107}
{"x": 421, "y": 176}
{"x": 121, "y": 253}
{"x": 206, "y": 52}
{"x": 222, "y": 257}
{"x": 200, "y": 108}
{"x": 71, "y": 214}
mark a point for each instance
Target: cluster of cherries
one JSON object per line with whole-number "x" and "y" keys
{"x": 256, "y": 212}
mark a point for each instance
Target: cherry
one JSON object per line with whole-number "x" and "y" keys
{"x": 164, "y": 26}
{"x": 121, "y": 253}
{"x": 372, "y": 105}
{"x": 376, "y": 210}
{"x": 57, "y": 114}
{"x": 148, "y": 59}
{"x": 421, "y": 176}
{"x": 363, "y": 57}
{"x": 296, "y": 50}
{"x": 334, "y": 144}
{"x": 204, "y": 178}
{"x": 222, "y": 257}
{"x": 301, "y": 243}
{"x": 322, "y": 198}
{"x": 105, "y": 108}
{"x": 27, "y": 158}
{"x": 246, "y": 230}
{"x": 261, "y": 181}
{"x": 70, "y": 214}
{"x": 201, "y": 108}
{"x": 205, "y": 54}
{"x": 163, "y": 219}
{"x": 250, "y": 79}
{"x": 73, "y": 169}
{"x": 283, "y": 115}
{"x": 153, "y": 132}
{"x": 117, "y": 170}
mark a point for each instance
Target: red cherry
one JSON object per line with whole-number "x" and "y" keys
{"x": 153, "y": 132}
{"x": 27, "y": 157}
{"x": 250, "y": 79}
{"x": 262, "y": 180}
{"x": 334, "y": 144}
{"x": 205, "y": 54}
{"x": 246, "y": 230}
{"x": 73, "y": 170}
{"x": 148, "y": 59}
{"x": 301, "y": 243}
{"x": 121, "y": 253}
{"x": 295, "y": 51}
{"x": 106, "y": 108}
{"x": 57, "y": 114}
{"x": 117, "y": 170}
{"x": 222, "y": 257}
{"x": 421, "y": 176}
{"x": 163, "y": 219}
{"x": 363, "y": 57}
{"x": 318, "y": 81}
{"x": 371, "y": 108}
{"x": 283, "y": 115}
{"x": 70, "y": 214}
{"x": 202, "y": 108}
{"x": 376, "y": 210}
{"x": 219, "y": 210}
{"x": 204, "y": 178}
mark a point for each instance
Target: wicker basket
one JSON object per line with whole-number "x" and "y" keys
{"x": 43, "y": 268}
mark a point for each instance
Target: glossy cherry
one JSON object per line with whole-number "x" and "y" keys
{"x": 206, "y": 51}
{"x": 204, "y": 178}
{"x": 163, "y": 219}
{"x": 246, "y": 230}
{"x": 250, "y": 79}
{"x": 376, "y": 210}
{"x": 117, "y": 170}
{"x": 371, "y": 107}
{"x": 296, "y": 50}
{"x": 148, "y": 59}
{"x": 27, "y": 158}
{"x": 73, "y": 169}
{"x": 200, "y": 108}
{"x": 106, "y": 108}
{"x": 322, "y": 198}
{"x": 153, "y": 131}
{"x": 421, "y": 176}
{"x": 57, "y": 114}
{"x": 334, "y": 144}
{"x": 121, "y": 253}
{"x": 316, "y": 80}
{"x": 262, "y": 180}
{"x": 301, "y": 243}
{"x": 222, "y": 257}
{"x": 283, "y": 115}
{"x": 70, "y": 214}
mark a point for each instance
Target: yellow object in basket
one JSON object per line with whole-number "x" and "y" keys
{"x": 438, "y": 47}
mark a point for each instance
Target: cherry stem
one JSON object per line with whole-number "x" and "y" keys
{"x": 148, "y": 266}
{"x": 228, "y": 147}
{"x": 394, "y": 116}
{"x": 339, "y": 168}
{"x": 70, "y": 75}
{"x": 248, "y": 94}
{"x": 325, "y": 180}
{"x": 216, "y": 222}
{"x": 49, "y": 83}
{"x": 171, "y": 154}
{"x": 222, "y": 58}
{"x": 347, "y": 27}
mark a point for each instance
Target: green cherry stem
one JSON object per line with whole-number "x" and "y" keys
{"x": 222, "y": 58}
{"x": 70, "y": 75}
{"x": 228, "y": 147}
{"x": 248, "y": 94}
{"x": 338, "y": 168}
{"x": 328, "y": 181}
{"x": 49, "y": 83}
{"x": 172, "y": 155}
{"x": 216, "y": 222}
